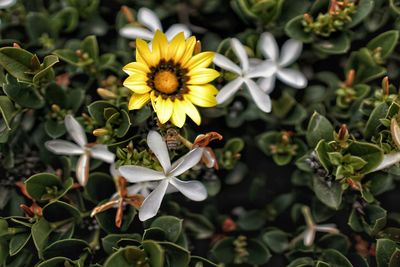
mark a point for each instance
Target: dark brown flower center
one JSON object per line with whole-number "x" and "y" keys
{"x": 168, "y": 79}
{"x": 166, "y": 82}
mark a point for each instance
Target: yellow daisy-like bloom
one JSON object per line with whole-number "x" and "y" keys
{"x": 172, "y": 78}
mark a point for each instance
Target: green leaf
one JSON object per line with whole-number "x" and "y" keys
{"x": 7, "y": 110}
{"x": 258, "y": 253}
{"x": 46, "y": 70}
{"x": 172, "y": 226}
{"x": 371, "y": 128}
{"x": 370, "y": 153}
{"x": 23, "y": 94}
{"x": 96, "y": 110}
{"x": 386, "y": 41}
{"x": 329, "y": 195}
{"x": 335, "y": 258}
{"x": 57, "y": 262}
{"x": 18, "y": 242}
{"x": 223, "y": 250}
{"x": 40, "y": 234}
{"x": 335, "y": 45}
{"x": 154, "y": 252}
{"x": 338, "y": 242}
{"x": 110, "y": 242}
{"x": 395, "y": 259}
{"x": 54, "y": 128}
{"x": 252, "y": 220}
{"x": 40, "y": 185}
{"x": 70, "y": 248}
{"x": 17, "y": 62}
{"x": 176, "y": 255}
{"x": 100, "y": 186}
{"x": 384, "y": 250}
{"x": 127, "y": 257}
{"x": 234, "y": 145}
{"x": 56, "y": 211}
{"x": 276, "y": 240}
{"x": 319, "y": 128}
{"x": 38, "y": 24}
{"x": 90, "y": 46}
{"x": 295, "y": 29}
{"x": 364, "y": 7}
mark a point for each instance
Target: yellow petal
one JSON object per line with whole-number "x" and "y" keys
{"x": 178, "y": 116}
{"x": 138, "y": 101}
{"x": 190, "y": 44}
{"x": 136, "y": 68}
{"x": 142, "y": 48}
{"x": 160, "y": 45}
{"x": 191, "y": 111}
{"x": 176, "y": 47}
{"x": 202, "y": 75}
{"x": 138, "y": 87}
{"x": 164, "y": 108}
{"x": 202, "y": 60}
{"x": 202, "y": 96}
{"x": 203, "y": 89}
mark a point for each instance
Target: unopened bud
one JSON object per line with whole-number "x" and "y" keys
{"x": 385, "y": 85}
{"x": 15, "y": 45}
{"x": 106, "y": 94}
{"x": 350, "y": 78}
{"x": 343, "y": 132}
{"x": 55, "y": 108}
{"x": 197, "y": 48}
{"x": 128, "y": 14}
{"x": 100, "y": 132}
{"x": 307, "y": 18}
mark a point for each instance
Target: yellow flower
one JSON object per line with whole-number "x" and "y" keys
{"x": 172, "y": 78}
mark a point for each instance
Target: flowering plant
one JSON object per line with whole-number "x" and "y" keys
{"x": 199, "y": 133}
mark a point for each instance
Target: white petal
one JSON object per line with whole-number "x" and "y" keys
{"x": 309, "y": 236}
{"x": 159, "y": 148}
{"x": 254, "y": 61}
{"x": 290, "y": 52}
{"x": 152, "y": 202}
{"x": 186, "y": 162}
{"x": 7, "y": 3}
{"x": 175, "y": 29}
{"x": 136, "y": 174}
{"x": 262, "y": 100}
{"x": 229, "y": 90}
{"x": 193, "y": 190}
{"x": 225, "y": 63}
{"x": 240, "y": 52}
{"x": 327, "y": 228}
{"x": 268, "y": 46}
{"x": 292, "y": 77}
{"x": 388, "y": 160}
{"x": 210, "y": 158}
{"x": 114, "y": 171}
{"x": 134, "y": 189}
{"x": 149, "y": 19}
{"x": 131, "y": 32}
{"x": 264, "y": 69}
{"x": 75, "y": 130}
{"x": 171, "y": 189}
{"x": 267, "y": 84}
{"x": 101, "y": 152}
{"x": 61, "y": 147}
{"x": 82, "y": 169}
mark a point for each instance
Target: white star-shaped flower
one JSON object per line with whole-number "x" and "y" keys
{"x": 291, "y": 51}
{"x": 149, "y": 19}
{"x": 246, "y": 74}
{"x": 80, "y": 147}
{"x": 7, "y": 3}
{"x": 142, "y": 188}
{"x": 193, "y": 190}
